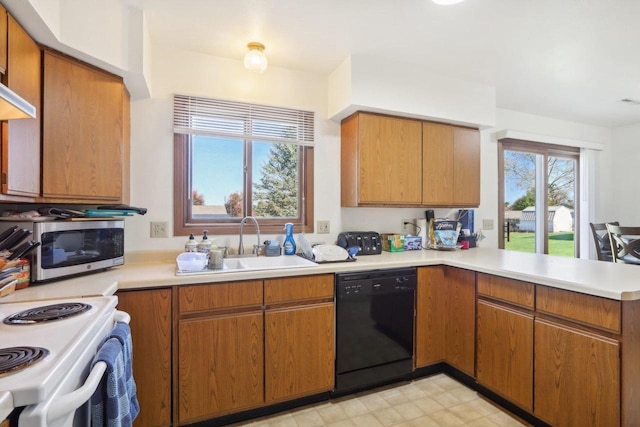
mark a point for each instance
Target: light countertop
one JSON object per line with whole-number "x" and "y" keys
{"x": 151, "y": 270}
{"x": 99, "y": 284}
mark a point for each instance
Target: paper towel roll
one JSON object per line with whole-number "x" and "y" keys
{"x": 423, "y": 231}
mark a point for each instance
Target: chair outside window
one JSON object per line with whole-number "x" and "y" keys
{"x": 601, "y": 240}
{"x": 625, "y": 243}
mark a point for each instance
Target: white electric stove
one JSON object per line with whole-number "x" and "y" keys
{"x": 64, "y": 348}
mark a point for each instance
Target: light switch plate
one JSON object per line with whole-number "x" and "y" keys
{"x": 487, "y": 224}
{"x": 323, "y": 227}
{"x": 159, "y": 229}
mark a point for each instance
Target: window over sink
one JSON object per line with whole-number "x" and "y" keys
{"x": 233, "y": 159}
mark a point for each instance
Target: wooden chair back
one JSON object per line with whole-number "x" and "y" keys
{"x": 625, "y": 243}
{"x": 602, "y": 241}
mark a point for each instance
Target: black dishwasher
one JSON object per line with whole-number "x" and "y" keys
{"x": 374, "y": 327}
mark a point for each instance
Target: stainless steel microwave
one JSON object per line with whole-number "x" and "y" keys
{"x": 71, "y": 247}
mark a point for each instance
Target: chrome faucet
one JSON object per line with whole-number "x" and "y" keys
{"x": 241, "y": 247}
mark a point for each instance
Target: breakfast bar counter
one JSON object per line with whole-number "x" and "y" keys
{"x": 608, "y": 280}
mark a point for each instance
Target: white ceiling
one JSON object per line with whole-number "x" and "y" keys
{"x": 568, "y": 59}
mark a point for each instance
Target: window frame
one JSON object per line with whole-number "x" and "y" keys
{"x": 546, "y": 150}
{"x": 184, "y": 225}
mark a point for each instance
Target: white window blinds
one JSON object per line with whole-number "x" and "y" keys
{"x": 206, "y": 116}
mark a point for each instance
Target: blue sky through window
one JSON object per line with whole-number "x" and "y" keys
{"x": 218, "y": 166}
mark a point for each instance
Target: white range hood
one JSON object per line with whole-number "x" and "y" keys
{"x": 12, "y": 106}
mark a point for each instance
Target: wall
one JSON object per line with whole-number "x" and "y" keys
{"x": 383, "y": 85}
{"x": 175, "y": 71}
{"x": 507, "y": 119}
{"x": 619, "y": 202}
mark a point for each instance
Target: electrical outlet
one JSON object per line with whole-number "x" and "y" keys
{"x": 407, "y": 226}
{"x": 487, "y": 224}
{"x": 159, "y": 229}
{"x": 323, "y": 227}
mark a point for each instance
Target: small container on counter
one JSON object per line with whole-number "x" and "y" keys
{"x": 271, "y": 248}
{"x": 191, "y": 261}
{"x": 215, "y": 258}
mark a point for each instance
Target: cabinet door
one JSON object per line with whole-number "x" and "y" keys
{"x": 150, "y": 312}
{"x": 220, "y": 366}
{"x": 299, "y": 351}
{"x": 3, "y": 39}
{"x": 577, "y": 377}
{"x": 430, "y": 316}
{"x": 385, "y": 154}
{"x": 445, "y": 317}
{"x": 450, "y": 165}
{"x": 466, "y": 176}
{"x": 505, "y": 352}
{"x": 460, "y": 318}
{"x": 82, "y": 132}
{"x": 21, "y": 137}
{"x": 437, "y": 164}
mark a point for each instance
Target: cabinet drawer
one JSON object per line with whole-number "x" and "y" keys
{"x": 219, "y": 295}
{"x": 298, "y": 288}
{"x": 508, "y": 290}
{"x": 590, "y": 310}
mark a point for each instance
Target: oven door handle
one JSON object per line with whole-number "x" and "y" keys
{"x": 68, "y": 403}
{"x": 122, "y": 316}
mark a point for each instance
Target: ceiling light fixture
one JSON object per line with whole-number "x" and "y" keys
{"x": 255, "y": 60}
{"x": 447, "y": 2}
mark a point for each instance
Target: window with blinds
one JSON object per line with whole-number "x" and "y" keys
{"x": 235, "y": 159}
{"x": 215, "y": 117}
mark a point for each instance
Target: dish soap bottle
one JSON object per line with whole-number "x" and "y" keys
{"x": 191, "y": 245}
{"x": 204, "y": 245}
{"x": 289, "y": 242}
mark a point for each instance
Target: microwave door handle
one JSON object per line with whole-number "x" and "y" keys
{"x": 64, "y": 405}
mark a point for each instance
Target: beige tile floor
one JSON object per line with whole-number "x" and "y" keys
{"x": 438, "y": 400}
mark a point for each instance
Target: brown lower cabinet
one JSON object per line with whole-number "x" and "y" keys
{"x": 220, "y": 366}
{"x": 577, "y": 377}
{"x": 151, "y": 324}
{"x": 243, "y": 345}
{"x": 299, "y": 351}
{"x": 505, "y": 352}
{"x": 445, "y": 318}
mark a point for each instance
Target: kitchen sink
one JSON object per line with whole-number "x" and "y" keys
{"x": 233, "y": 265}
{"x": 266, "y": 263}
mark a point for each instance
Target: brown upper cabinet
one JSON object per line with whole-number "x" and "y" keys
{"x": 3, "y": 39}
{"x": 21, "y": 137}
{"x": 450, "y": 165}
{"x": 381, "y": 161}
{"x": 84, "y": 126}
{"x": 394, "y": 161}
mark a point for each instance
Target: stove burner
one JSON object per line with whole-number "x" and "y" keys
{"x": 18, "y": 358}
{"x": 46, "y": 313}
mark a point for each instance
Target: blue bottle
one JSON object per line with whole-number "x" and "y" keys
{"x": 289, "y": 242}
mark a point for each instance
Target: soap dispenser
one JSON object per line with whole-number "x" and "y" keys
{"x": 205, "y": 244}
{"x": 191, "y": 245}
{"x": 289, "y": 242}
